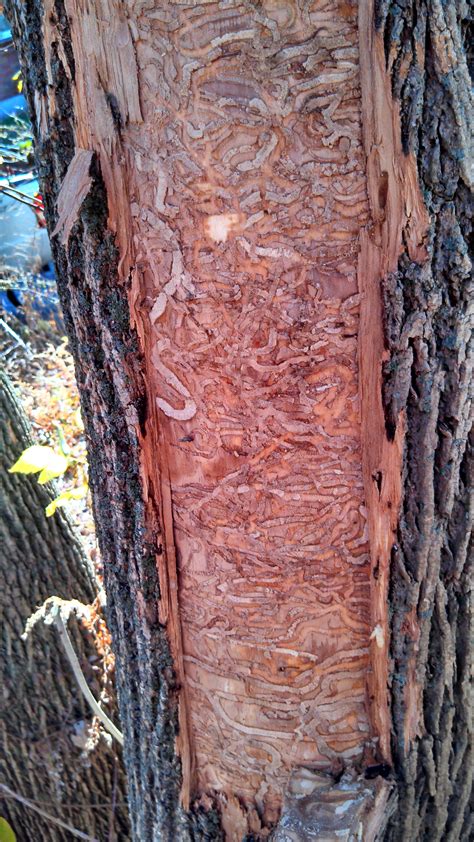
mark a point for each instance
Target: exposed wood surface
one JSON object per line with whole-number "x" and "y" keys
{"x": 242, "y": 245}
{"x": 246, "y": 261}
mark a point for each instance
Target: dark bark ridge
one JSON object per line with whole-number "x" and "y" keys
{"x": 41, "y": 706}
{"x": 110, "y": 382}
{"x": 428, "y": 377}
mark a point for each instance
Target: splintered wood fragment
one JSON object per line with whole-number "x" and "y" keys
{"x": 399, "y": 220}
{"x": 74, "y": 190}
{"x": 317, "y": 807}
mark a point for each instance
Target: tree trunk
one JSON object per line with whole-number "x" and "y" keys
{"x": 42, "y": 710}
{"x": 239, "y": 209}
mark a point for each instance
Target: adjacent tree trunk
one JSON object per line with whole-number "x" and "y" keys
{"x": 259, "y": 220}
{"x": 43, "y": 714}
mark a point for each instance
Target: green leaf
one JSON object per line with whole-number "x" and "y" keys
{"x": 40, "y": 458}
{"x": 61, "y": 499}
{"x": 63, "y": 446}
{"x": 6, "y": 831}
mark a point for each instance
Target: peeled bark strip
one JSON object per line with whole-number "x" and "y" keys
{"x": 42, "y": 712}
{"x": 326, "y": 809}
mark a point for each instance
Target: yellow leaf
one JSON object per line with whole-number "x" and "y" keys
{"x": 61, "y": 499}
{"x": 40, "y": 458}
{"x": 6, "y": 831}
{"x": 55, "y": 469}
{"x": 78, "y": 419}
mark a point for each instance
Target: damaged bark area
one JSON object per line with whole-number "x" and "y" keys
{"x": 428, "y": 380}
{"x": 226, "y": 187}
{"x": 248, "y": 198}
{"x": 225, "y": 196}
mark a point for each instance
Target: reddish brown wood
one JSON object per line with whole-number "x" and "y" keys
{"x": 252, "y": 364}
{"x": 243, "y": 169}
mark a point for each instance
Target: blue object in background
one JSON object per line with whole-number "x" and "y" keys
{"x": 10, "y": 301}
{"x": 24, "y": 245}
{"x": 14, "y": 105}
{"x": 34, "y": 299}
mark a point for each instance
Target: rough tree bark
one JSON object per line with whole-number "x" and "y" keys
{"x": 259, "y": 215}
{"x": 42, "y": 711}
{"x": 428, "y": 380}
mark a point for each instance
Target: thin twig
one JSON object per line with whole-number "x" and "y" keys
{"x": 83, "y": 685}
{"x": 48, "y": 816}
{"x": 78, "y": 808}
{"x": 15, "y": 336}
{"x": 24, "y": 198}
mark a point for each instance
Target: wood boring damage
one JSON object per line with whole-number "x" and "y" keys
{"x": 259, "y": 215}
